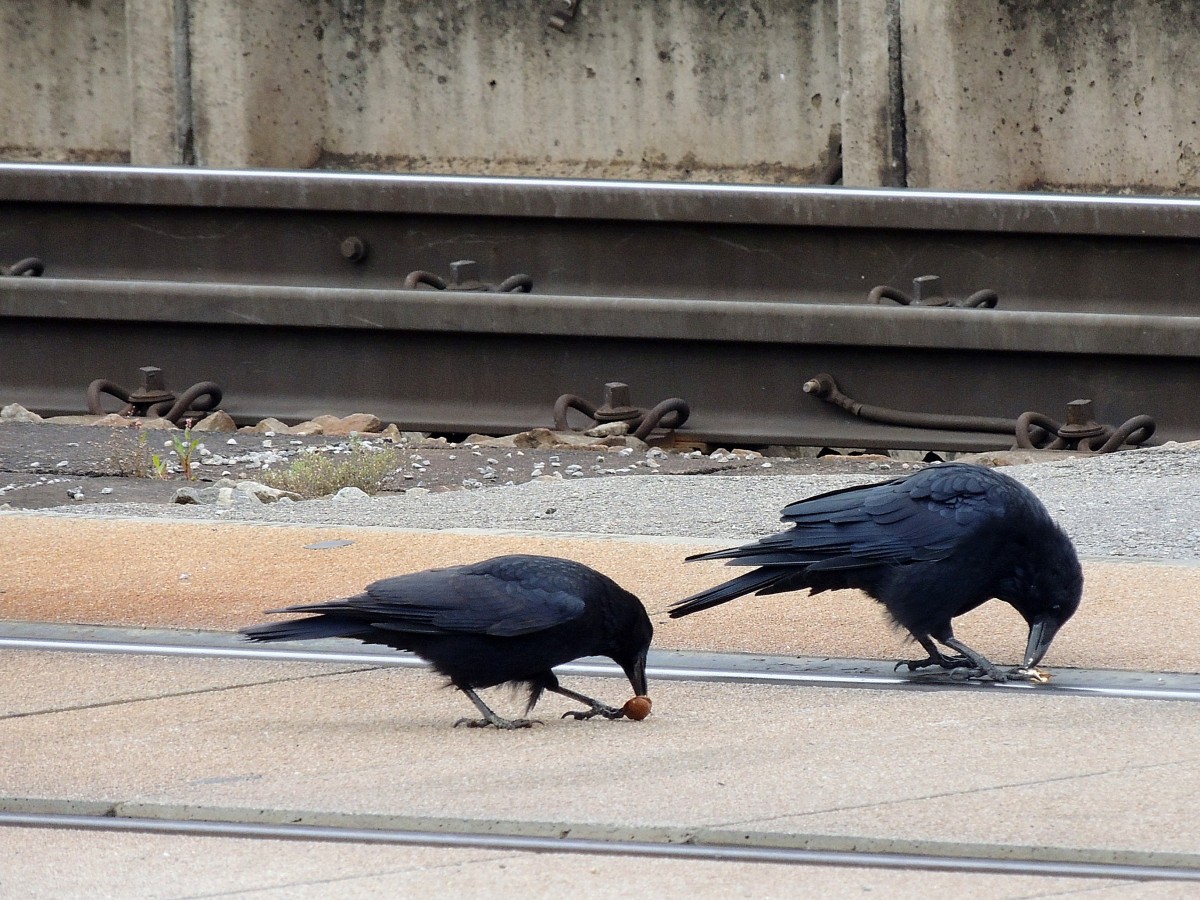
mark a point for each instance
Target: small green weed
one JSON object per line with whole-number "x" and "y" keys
{"x": 185, "y": 449}
{"x": 321, "y": 473}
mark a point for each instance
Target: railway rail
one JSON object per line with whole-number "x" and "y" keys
{"x": 302, "y": 293}
{"x": 664, "y": 665}
{"x": 709, "y": 844}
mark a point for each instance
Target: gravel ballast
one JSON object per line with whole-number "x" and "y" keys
{"x": 1137, "y": 504}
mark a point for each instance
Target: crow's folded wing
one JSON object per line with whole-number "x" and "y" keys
{"x": 506, "y": 598}
{"x": 922, "y": 517}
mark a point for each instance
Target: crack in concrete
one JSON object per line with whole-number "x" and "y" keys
{"x": 959, "y": 793}
{"x": 173, "y": 694}
{"x": 358, "y": 876}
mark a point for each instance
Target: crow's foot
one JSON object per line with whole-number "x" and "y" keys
{"x": 949, "y": 663}
{"x": 980, "y": 673}
{"x": 598, "y": 709}
{"x": 506, "y": 724}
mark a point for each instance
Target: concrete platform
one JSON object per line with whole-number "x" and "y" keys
{"x": 738, "y": 757}
{"x": 1032, "y": 771}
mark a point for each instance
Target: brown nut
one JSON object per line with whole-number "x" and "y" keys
{"x": 637, "y": 708}
{"x": 1035, "y": 675}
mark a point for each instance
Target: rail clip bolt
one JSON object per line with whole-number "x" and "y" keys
{"x": 927, "y": 291}
{"x": 153, "y": 400}
{"x": 1080, "y": 424}
{"x": 671, "y": 413}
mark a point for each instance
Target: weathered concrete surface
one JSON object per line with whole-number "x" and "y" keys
{"x": 664, "y": 90}
{"x": 1007, "y": 94}
{"x": 64, "y": 81}
{"x": 54, "y": 864}
{"x": 257, "y": 81}
{"x": 873, "y": 128}
{"x": 1061, "y": 772}
{"x": 676, "y": 90}
{"x": 1018, "y": 95}
{"x": 222, "y": 575}
{"x": 160, "y": 99}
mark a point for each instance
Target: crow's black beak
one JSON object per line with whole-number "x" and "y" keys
{"x": 636, "y": 673}
{"x": 1041, "y": 633}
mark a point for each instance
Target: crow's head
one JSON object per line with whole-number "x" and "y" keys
{"x": 1047, "y": 588}
{"x": 630, "y": 633}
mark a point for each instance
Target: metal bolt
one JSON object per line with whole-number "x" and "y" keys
{"x": 617, "y": 407}
{"x": 464, "y": 271}
{"x": 153, "y": 389}
{"x": 1080, "y": 423}
{"x": 354, "y": 249}
{"x": 927, "y": 291}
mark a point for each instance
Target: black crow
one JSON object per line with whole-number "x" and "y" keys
{"x": 929, "y": 547}
{"x": 508, "y": 619}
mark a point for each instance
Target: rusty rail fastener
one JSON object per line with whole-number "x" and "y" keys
{"x": 927, "y": 291}
{"x": 31, "y": 266}
{"x": 670, "y": 413}
{"x": 152, "y": 400}
{"x": 560, "y": 20}
{"x": 1031, "y": 430}
{"x": 1081, "y": 431}
{"x": 464, "y": 279}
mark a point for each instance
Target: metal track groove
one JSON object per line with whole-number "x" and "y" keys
{"x": 663, "y": 665}
{"x": 608, "y": 847}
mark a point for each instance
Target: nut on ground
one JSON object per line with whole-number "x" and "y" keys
{"x": 637, "y": 708}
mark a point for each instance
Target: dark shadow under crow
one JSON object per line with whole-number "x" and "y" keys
{"x": 508, "y": 619}
{"x": 929, "y": 547}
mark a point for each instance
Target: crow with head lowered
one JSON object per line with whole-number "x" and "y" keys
{"x": 505, "y": 620}
{"x": 929, "y": 547}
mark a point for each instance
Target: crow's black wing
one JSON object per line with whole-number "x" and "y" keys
{"x": 506, "y": 596}
{"x": 922, "y": 517}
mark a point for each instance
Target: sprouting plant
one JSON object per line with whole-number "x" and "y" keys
{"x": 185, "y": 449}
{"x": 162, "y": 468}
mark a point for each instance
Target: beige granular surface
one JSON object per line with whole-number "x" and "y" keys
{"x": 222, "y": 575}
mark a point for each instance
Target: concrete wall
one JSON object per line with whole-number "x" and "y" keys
{"x": 1053, "y": 94}
{"x": 64, "y": 85}
{"x": 1005, "y": 94}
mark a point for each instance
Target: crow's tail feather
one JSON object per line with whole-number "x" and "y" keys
{"x": 730, "y": 590}
{"x": 307, "y": 629}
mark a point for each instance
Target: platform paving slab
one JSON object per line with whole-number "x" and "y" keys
{"x": 1015, "y": 770}
{"x": 46, "y": 865}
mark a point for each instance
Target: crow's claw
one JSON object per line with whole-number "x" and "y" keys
{"x": 979, "y": 673}
{"x": 599, "y": 710}
{"x": 949, "y": 663}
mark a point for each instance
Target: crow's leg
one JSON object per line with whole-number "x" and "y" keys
{"x": 489, "y": 717}
{"x": 936, "y": 657}
{"x": 978, "y": 660}
{"x": 597, "y": 708}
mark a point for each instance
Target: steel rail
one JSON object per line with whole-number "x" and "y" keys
{"x": 562, "y": 198}
{"x": 728, "y": 296}
{"x": 663, "y": 665}
{"x": 740, "y": 366}
{"x": 637, "y": 848}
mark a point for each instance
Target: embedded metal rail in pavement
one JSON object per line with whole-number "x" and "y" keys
{"x": 303, "y": 293}
{"x": 664, "y": 665}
